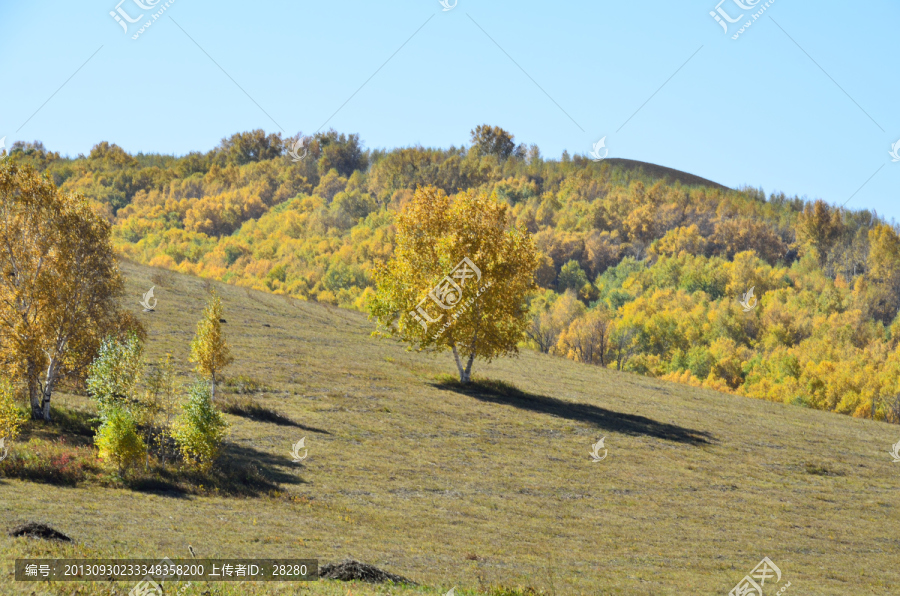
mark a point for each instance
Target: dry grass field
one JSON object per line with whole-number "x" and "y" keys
{"x": 489, "y": 488}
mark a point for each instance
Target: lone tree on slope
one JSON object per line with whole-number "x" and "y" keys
{"x": 209, "y": 350}
{"x": 458, "y": 279}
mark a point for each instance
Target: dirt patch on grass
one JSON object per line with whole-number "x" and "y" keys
{"x": 350, "y": 570}
{"x": 36, "y": 530}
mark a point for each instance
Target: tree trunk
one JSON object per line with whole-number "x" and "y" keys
{"x": 469, "y": 367}
{"x": 47, "y": 389}
{"x": 463, "y": 372}
{"x": 213, "y": 386}
{"x": 49, "y": 384}
{"x": 40, "y": 400}
{"x": 46, "y": 402}
{"x": 35, "y": 395}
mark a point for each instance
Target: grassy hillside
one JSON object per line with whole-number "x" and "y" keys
{"x": 489, "y": 485}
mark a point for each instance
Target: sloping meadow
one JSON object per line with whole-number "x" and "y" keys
{"x": 490, "y": 487}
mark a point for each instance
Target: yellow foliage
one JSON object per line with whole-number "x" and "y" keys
{"x": 164, "y": 261}
{"x": 209, "y": 350}
{"x": 118, "y": 441}
{"x": 681, "y": 239}
{"x": 587, "y": 339}
{"x": 684, "y": 377}
{"x": 59, "y": 283}
{"x": 468, "y": 240}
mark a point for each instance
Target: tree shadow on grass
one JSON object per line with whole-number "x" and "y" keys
{"x": 239, "y": 472}
{"x": 253, "y": 410}
{"x": 499, "y": 392}
{"x": 61, "y": 453}
{"x": 78, "y": 426}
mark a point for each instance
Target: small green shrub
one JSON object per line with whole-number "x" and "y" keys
{"x": 11, "y": 417}
{"x": 799, "y": 400}
{"x": 200, "y": 428}
{"x": 114, "y": 374}
{"x": 118, "y": 441}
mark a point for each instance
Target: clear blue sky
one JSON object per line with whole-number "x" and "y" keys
{"x": 805, "y": 101}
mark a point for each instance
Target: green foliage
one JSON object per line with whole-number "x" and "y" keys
{"x": 492, "y": 140}
{"x": 353, "y": 205}
{"x": 339, "y": 152}
{"x": 571, "y": 277}
{"x": 245, "y": 147}
{"x": 611, "y": 282}
{"x": 200, "y": 428}
{"x": 118, "y": 441}
{"x": 114, "y": 374}
{"x": 341, "y": 276}
{"x": 11, "y": 417}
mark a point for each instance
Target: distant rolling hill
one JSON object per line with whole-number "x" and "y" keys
{"x": 658, "y": 172}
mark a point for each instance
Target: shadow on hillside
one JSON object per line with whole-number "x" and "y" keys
{"x": 276, "y": 418}
{"x": 78, "y": 426}
{"x": 499, "y": 392}
{"x": 239, "y": 472}
{"x": 62, "y": 453}
{"x": 253, "y": 410}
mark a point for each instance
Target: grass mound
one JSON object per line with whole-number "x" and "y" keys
{"x": 351, "y": 570}
{"x": 36, "y": 530}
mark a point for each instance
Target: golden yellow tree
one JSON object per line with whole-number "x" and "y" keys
{"x": 458, "y": 279}
{"x": 59, "y": 284}
{"x": 880, "y": 286}
{"x": 587, "y": 339}
{"x": 209, "y": 350}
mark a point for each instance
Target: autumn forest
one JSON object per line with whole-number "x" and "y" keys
{"x": 640, "y": 268}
